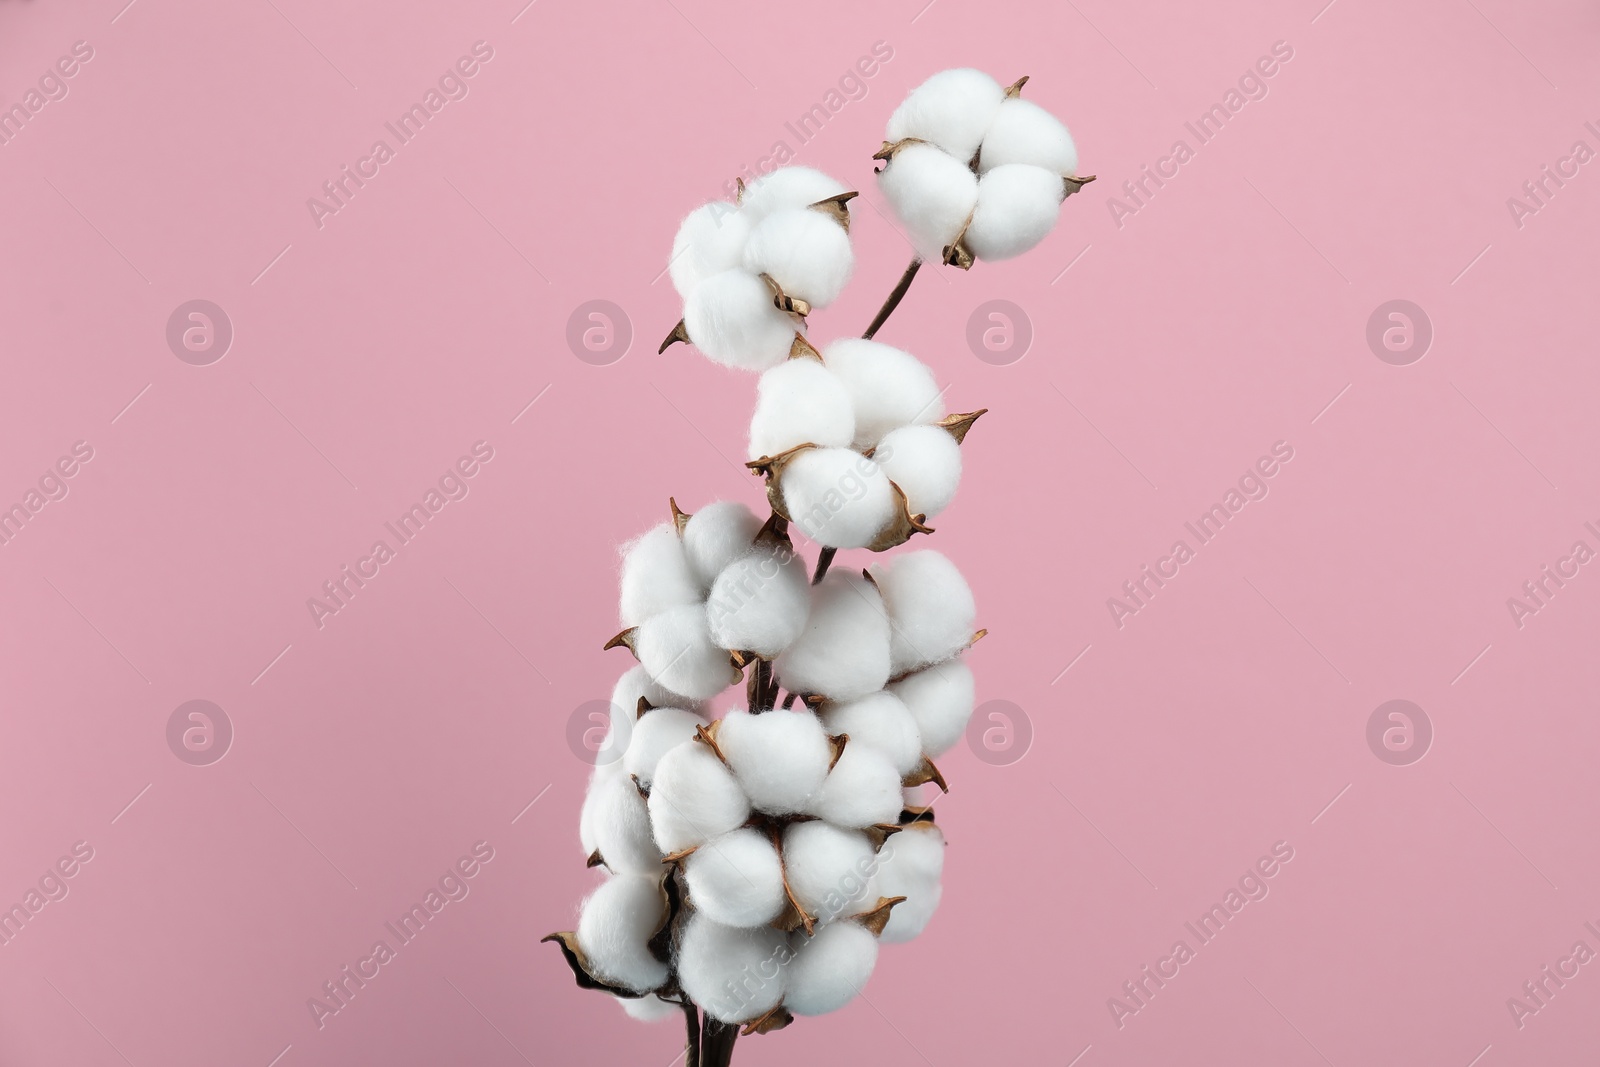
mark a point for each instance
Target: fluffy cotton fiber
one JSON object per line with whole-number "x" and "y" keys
{"x": 659, "y": 731}
{"x": 649, "y": 1009}
{"x": 862, "y": 790}
{"x": 940, "y": 698}
{"x": 732, "y": 319}
{"x": 953, "y": 109}
{"x": 693, "y": 799}
{"x": 931, "y": 610}
{"x": 830, "y": 869}
{"x": 925, "y": 462}
{"x": 800, "y": 402}
{"x": 734, "y": 974}
{"x": 837, "y": 497}
{"x": 780, "y": 757}
{"x": 676, "y": 648}
{"x": 844, "y": 650}
{"x": 805, "y": 251}
{"x": 615, "y": 926}
{"x": 1017, "y": 207}
{"x": 737, "y": 879}
{"x": 635, "y": 683}
{"x": 932, "y": 192}
{"x": 760, "y": 603}
{"x": 621, "y": 823}
{"x": 909, "y": 866}
{"x": 710, "y": 241}
{"x": 829, "y": 967}
{"x": 787, "y": 187}
{"x": 655, "y": 575}
{"x": 715, "y": 536}
{"x": 1024, "y": 132}
{"x": 888, "y": 388}
{"x": 881, "y": 721}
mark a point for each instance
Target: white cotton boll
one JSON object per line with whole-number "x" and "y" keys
{"x": 655, "y": 575}
{"x": 925, "y": 462}
{"x": 1017, "y": 208}
{"x": 940, "y": 699}
{"x": 760, "y": 603}
{"x": 888, "y": 388}
{"x": 676, "y": 648}
{"x": 787, "y": 187}
{"x": 910, "y": 864}
{"x": 837, "y": 497}
{"x": 736, "y": 879}
{"x": 881, "y": 721}
{"x": 635, "y": 683}
{"x": 694, "y": 798}
{"x": 649, "y": 1009}
{"x": 710, "y": 241}
{"x": 780, "y": 757}
{"x": 800, "y": 402}
{"x": 952, "y": 109}
{"x": 732, "y": 319}
{"x": 932, "y": 193}
{"x": 735, "y": 974}
{"x": 716, "y": 535}
{"x": 830, "y": 870}
{"x": 844, "y": 650}
{"x": 1023, "y": 132}
{"x": 603, "y": 774}
{"x": 931, "y": 610}
{"x": 862, "y": 790}
{"x": 653, "y": 736}
{"x": 806, "y": 252}
{"x": 614, "y": 929}
{"x": 621, "y": 823}
{"x": 829, "y": 968}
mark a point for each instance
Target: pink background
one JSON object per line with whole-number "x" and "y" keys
{"x": 369, "y": 354}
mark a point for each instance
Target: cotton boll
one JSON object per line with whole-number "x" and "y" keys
{"x": 649, "y": 1009}
{"x": 910, "y": 864}
{"x": 888, "y": 388}
{"x": 800, "y": 402}
{"x": 830, "y": 870}
{"x": 787, "y": 187}
{"x": 806, "y": 252}
{"x": 1017, "y": 208}
{"x": 1024, "y": 132}
{"x": 931, "y": 610}
{"x": 653, "y": 736}
{"x": 676, "y": 648}
{"x": 862, "y": 790}
{"x": 715, "y": 536}
{"x": 635, "y": 683}
{"x": 829, "y": 967}
{"x": 952, "y": 109}
{"x": 736, "y": 879}
{"x": 940, "y": 699}
{"x": 925, "y": 462}
{"x": 615, "y": 927}
{"x": 598, "y": 778}
{"x": 732, "y": 319}
{"x": 694, "y": 798}
{"x": 932, "y": 193}
{"x": 710, "y": 241}
{"x": 780, "y": 757}
{"x": 837, "y": 497}
{"x": 621, "y": 823}
{"x": 760, "y": 603}
{"x": 655, "y": 575}
{"x": 735, "y": 974}
{"x": 844, "y": 650}
{"x": 881, "y": 721}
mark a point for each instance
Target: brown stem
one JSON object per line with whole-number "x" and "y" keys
{"x": 691, "y": 1014}
{"x": 894, "y": 297}
{"x": 824, "y": 561}
{"x": 716, "y": 1043}
{"x": 788, "y": 701}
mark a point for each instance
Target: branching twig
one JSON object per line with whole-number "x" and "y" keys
{"x": 824, "y": 561}
{"x": 894, "y": 298}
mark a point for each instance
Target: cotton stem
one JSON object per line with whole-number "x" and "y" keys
{"x": 894, "y": 297}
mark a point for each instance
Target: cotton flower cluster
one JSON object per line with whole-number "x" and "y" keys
{"x": 778, "y": 837}
{"x": 855, "y": 444}
{"x": 750, "y": 272}
{"x": 973, "y": 170}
